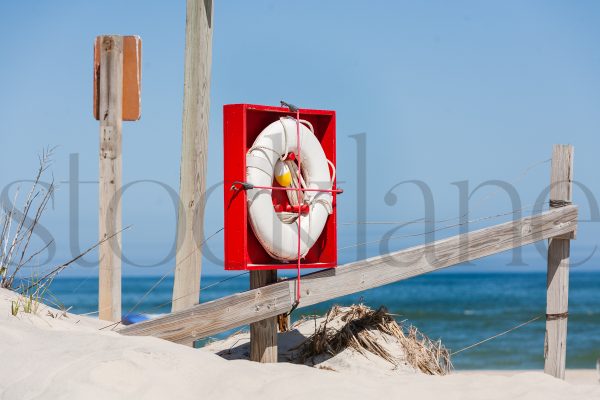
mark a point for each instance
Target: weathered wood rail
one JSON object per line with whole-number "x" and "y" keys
{"x": 258, "y": 304}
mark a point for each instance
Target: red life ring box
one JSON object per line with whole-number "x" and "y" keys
{"x": 242, "y": 123}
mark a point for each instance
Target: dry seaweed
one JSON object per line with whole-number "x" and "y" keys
{"x": 354, "y": 327}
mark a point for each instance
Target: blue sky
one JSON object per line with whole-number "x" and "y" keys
{"x": 443, "y": 92}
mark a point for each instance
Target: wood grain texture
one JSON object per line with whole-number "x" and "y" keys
{"x": 263, "y": 333}
{"x": 110, "y": 108}
{"x": 190, "y": 221}
{"x": 217, "y": 316}
{"x": 557, "y": 284}
{"x": 132, "y": 77}
{"x": 404, "y": 264}
{"x": 257, "y": 304}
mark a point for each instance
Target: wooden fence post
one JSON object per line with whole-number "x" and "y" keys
{"x": 110, "y": 102}
{"x": 557, "y": 286}
{"x": 194, "y": 145}
{"x": 263, "y": 334}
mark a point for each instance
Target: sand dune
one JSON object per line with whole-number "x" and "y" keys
{"x": 68, "y": 357}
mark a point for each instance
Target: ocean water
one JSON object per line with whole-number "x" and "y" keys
{"x": 458, "y": 308}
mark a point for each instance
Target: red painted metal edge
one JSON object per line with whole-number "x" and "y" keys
{"x": 241, "y": 125}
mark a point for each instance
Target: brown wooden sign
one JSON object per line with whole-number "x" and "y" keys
{"x": 132, "y": 77}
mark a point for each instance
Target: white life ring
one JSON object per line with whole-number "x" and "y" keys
{"x": 274, "y": 143}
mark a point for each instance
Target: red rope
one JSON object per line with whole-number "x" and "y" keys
{"x": 299, "y": 201}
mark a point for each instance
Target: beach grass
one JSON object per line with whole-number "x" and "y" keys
{"x": 18, "y": 225}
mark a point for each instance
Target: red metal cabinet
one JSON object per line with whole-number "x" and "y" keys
{"x": 242, "y": 123}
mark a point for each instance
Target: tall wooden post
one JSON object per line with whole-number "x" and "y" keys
{"x": 190, "y": 222}
{"x": 557, "y": 301}
{"x": 263, "y": 334}
{"x": 110, "y": 106}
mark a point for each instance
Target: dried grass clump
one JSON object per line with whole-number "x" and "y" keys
{"x": 354, "y": 327}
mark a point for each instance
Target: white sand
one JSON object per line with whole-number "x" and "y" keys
{"x": 69, "y": 358}
{"x": 237, "y": 347}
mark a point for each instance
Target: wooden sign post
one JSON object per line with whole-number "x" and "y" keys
{"x": 117, "y": 78}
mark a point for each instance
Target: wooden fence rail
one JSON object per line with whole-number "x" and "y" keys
{"x": 254, "y": 305}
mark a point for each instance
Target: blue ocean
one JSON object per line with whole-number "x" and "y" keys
{"x": 458, "y": 308}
